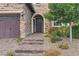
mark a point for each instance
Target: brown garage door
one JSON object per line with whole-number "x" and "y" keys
{"x": 9, "y": 26}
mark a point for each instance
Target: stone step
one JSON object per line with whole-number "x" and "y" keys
{"x": 29, "y": 51}
{"x": 33, "y": 41}
{"x": 31, "y": 47}
{"x": 23, "y": 54}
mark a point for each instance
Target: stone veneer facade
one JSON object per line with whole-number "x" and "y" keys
{"x": 25, "y": 15}
{"x": 42, "y": 8}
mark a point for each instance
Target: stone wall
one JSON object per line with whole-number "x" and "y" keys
{"x": 25, "y": 21}
{"x": 28, "y": 17}
{"x": 42, "y": 8}
{"x": 11, "y": 6}
{"x": 25, "y": 16}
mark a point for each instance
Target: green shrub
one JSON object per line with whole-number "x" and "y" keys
{"x": 75, "y": 31}
{"x": 55, "y": 39}
{"x": 10, "y": 53}
{"x": 65, "y": 32}
{"x": 19, "y": 40}
{"x": 52, "y": 52}
{"x": 54, "y": 36}
{"x": 50, "y": 30}
{"x": 64, "y": 45}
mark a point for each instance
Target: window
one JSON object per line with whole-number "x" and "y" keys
{"x": 59, "y": 24}
{"x": 56, "y": 24}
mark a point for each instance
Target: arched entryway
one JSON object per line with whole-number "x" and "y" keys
{"x": 37, "y": 24}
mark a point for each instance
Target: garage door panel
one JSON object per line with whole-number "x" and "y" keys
{"x": 9, "y": 26}
{"x": 2, "y": 29}
{"x": 14, "y": 32}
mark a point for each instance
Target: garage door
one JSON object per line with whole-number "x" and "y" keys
{"x": 9, "y": 26}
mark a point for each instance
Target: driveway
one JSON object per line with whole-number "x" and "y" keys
{"x": 6, "y": 45}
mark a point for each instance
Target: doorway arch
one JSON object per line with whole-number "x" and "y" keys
{"x": 38, "y": 23}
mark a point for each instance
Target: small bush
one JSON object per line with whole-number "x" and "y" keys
{"x": 19, "y": 40}
{"x": 75, "y": 32}
{"x": 10, "y": 53}
{"x": 50, "y": 30}
{"x": 54, "y": 37}
{"x": 64, "y": 45}
{"x": 63, "y": 31}
{"x": 52, "y": 52}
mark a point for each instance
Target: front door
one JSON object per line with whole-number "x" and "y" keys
{"x": 38, "y": 25}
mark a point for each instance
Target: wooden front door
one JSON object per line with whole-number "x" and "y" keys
{"x": 9, "y": 26}
{"x": 39, "y": 25}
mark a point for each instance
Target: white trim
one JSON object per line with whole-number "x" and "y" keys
{"x": 7, "y": 12}
{"x": 53, "y": 24}
{"x": 32, "y": 21}
{"x": 32, "y": 24}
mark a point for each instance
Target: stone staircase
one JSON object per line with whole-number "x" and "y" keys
{"x": 32, "y": 42}
{"x": 33, "y": 45}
